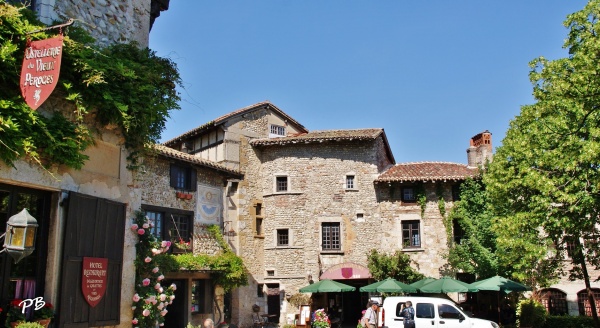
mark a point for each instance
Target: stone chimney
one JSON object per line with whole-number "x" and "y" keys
{"x": 480, "y": 149}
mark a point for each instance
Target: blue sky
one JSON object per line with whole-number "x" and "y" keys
{"x": 431, "y": 73}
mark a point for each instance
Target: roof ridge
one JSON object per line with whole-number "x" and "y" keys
{"x": 431, "y": 162}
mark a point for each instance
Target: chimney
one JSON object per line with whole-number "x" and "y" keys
{"x": 480, "y": 149}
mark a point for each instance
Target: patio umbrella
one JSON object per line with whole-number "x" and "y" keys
{"x": 327, "y": 286}
{"x": 418, "y": 284}
{"x": 447, "y": 285}
{"x": 388, "y": 285}
{"x": 499, "y": 283}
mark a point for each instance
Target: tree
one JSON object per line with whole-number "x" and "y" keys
{"x": 396, "y": 265}
{"x": 544, "y": 181}
{"x": 475, "y": 252}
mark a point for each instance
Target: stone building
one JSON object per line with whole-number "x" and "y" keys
{"x": 312, "y": 205}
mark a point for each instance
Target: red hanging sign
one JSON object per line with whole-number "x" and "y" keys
{"x": 41, "y": 67}
{"x": 93, "y": 279}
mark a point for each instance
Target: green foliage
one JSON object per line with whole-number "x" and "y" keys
{"x": 476, "y": 252}
{"x": 29, "y": 325}
{"x": 228, "y": 269}
{"x": 396, "y": 265}
{"x": 119, "y": 86}
{"x": 421, "y": 198}
{"x": 567, "y": 321}
{"x": 531, "y": 313}
{"x": 544, "y": 181}
{"x": 190, "y": 325}
{"x": 299, "y": 299}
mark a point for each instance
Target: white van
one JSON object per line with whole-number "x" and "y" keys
{"x": 431, "y": 312}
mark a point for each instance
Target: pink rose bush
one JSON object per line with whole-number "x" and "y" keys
{"x": 149, "y": 301}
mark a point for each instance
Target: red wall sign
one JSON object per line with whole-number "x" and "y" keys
{"x": 41, "y": 67}
{"x": 93, "y": 279}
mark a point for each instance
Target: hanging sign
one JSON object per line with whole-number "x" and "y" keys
{"x": 41, "y": 67}
{"x": 93, "y": 279}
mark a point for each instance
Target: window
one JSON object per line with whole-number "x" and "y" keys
{"x": 411, "y": 238}
{"x": 570, "y": 245}
{"x": 424, "y": 310}
{"x": 330, "y": 236}
{"x": 283, "y": 237}
{"x": 555, "y": 301}
{"x": 350, "y": 183}
{"x": 408, "y": 195}
{"x": 458, "y": 231}
{"x": 258, "y": 219}
{"x": 277, "y": 131}
{"x": 259, "y": 290}
{"x": 201, "y": 296}
{"x": 170, "y": 224}
{"x": 584, "y": 302}
{"x": 270, "y": 273}
{"x": 281, "y": 184}
{"x": 455, "y": 193}
{"x": 448, "y": 312}
{"x": 183, "y": 178}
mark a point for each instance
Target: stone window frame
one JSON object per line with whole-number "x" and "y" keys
{"x": 342, "y": 234}
{"x": 289, "y": 183}
{"x": 276, "y": 237}
{"x": 413, "y": 200}
{"x": 282, "y": 237}
{"x": 256, "y": 217}
{"x": 354, "y": 181}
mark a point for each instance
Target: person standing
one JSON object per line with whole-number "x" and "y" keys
{"x": 408, "y": 313}
{"x": 371, "y": 315}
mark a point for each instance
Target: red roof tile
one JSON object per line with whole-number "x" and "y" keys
{"x": 427, "y": 171}
{"x": 175, "y": 154}
{"x": 320, "y": 136}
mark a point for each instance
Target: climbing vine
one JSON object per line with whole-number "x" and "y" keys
{"x": 421, "y": 199}
{"x": 121, "y": 86}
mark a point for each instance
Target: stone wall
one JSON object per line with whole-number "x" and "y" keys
{"x": 108, "y": 21}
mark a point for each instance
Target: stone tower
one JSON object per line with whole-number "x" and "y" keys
{"x": 480, "y": 149}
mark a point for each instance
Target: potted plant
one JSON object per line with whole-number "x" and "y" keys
{"x": 183, "y": 245}
{"x": 44, "y": 315}
{"x": 29, "y": 325}
{"x": 15, "y": 314}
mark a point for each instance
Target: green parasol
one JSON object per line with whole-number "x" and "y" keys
{"x": 388, "y": 285}
{"x": 418, "y": 284}
{"x": 327, "y": 286}
{"x": 499, "y": 283}
{"x": 447, "y": 285}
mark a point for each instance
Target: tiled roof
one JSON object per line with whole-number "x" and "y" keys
{"x": 175, "y": 154}
{"x": 320, "y": 136}
{"x": 427, "y": 171}
{"x": 223, "y": 118}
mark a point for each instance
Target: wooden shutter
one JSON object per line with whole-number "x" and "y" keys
{"x": 95, "y": 227}
{"x": 193, "y": 179}
{"x": 173, "y": 176}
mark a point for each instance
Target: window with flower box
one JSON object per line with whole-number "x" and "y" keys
{"x": 170, "y": 224}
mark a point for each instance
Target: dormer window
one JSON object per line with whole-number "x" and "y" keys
{"x": 277, "y": 131}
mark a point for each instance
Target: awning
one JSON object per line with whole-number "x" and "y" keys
{"x": 346, "y": 270}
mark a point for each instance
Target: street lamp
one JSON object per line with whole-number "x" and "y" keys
{"x": 19, "y": 238}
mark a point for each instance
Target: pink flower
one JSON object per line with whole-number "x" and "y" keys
{"x": 173, "y": 287}
{"x": 163, "y": 312}
{"x": 162, "y": 297}
{"x": 162, "y": 325}
{"x": 148, "y": 259}
{"x": 133, "y": 308}
{"x": 157, "y": 286}
{"x": 146, "y": 282}
{"x": 172, "y": 297}
{"x": 161, "y": 306}
{"x": 146, "y": 313}
{"x": 141, "y": 231}
{"x": 155, "y": 251}
{"x": 168, "y": 243}
{"x": 134, "y": 227}
{"x": 136, "y": 297}
{"x": 145, "y": 226}
{"x": 134, "y": 321}
{"x": 155, "y": 270}
{"x": 160, "y": 290}
{"x": 161, "y": 277}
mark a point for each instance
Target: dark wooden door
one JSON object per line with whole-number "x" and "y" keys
{"x": 95, "y": 227}
{"x": 273, "y": 302}
{"x": 177, "y": 315}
